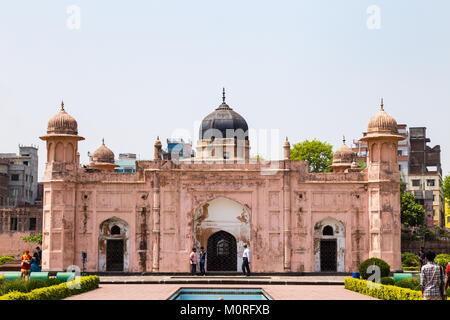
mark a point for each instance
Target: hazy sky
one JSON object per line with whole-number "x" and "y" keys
{"x": 131, "y": 70}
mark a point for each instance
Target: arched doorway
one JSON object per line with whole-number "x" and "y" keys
{"x": 329, "y": 246}
{"x": 222, "y": 252}
{"x": 218, "y": 217}
{"x": 113, "y": 245}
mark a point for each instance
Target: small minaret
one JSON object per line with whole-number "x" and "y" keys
{"x": 286, "y": 150}
{"x": 158, "y": 149}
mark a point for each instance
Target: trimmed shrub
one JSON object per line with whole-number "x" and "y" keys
{"x": 408, "y": 255}
{"x": 51, "y": 282}
{"x": 384, "y": 267}
{"x": 410, "y": 283}
{"x": 381, "y": 291}
{"x": 387, "y": 281}
{"x": 442, "y": 260}
{"x": 411, "y": 262}
{"x": 6, "y": 259}
{"x": 16, "y": 285}
{"x": 411, "y": 268}
{"x": 56, "y": 292}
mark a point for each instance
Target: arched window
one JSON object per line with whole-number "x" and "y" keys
{"x": 115, "y": 230}
{"x": 223, "y": 248}
{"x": 327, "y": 231}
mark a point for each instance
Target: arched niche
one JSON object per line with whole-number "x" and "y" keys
{"x": 374, "y": 152}
{"x": 226, "y": 215}
{"x": 114, "y": 245}
{"x": 59, "y": 152}
{"x": 69, "y": 153}
{"x": 50, "y": 151}
{"x": 329, "y": 245}
{"x": 386, "y": 152}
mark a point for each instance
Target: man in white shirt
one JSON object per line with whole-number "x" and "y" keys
{"x": 246, "y": 261}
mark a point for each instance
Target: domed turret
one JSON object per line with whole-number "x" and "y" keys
{"x": 342, "y": 158}
{"x": 103, "y": 158}
{"x": 382, "y": 125}
{"x": 62, "y": 123}
{"x": 222, "y": 119}
{"x": 103, "y": 154}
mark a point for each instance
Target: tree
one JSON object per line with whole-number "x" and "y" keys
{"x": 446, "y": 187}
{"x": 34, "y": 238}
{"x": 318, "y": 154}
{"x": 412, "y": 214}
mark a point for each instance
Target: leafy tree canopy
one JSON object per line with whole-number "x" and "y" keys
{"x": 34, "y": 238}
{"x": 446, "y": 187}
{"x": 412, "y": 213}
{"x": 318, "y": 154}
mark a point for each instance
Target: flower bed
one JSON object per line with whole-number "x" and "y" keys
{"x": 381, "y": 291}
{"x": 56, "y": 292}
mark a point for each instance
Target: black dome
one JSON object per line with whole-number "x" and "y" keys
{"x": 222, "y": 119}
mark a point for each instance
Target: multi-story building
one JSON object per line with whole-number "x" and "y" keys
{"x": 178, "y": 149}
{"x": 4, "y": 179}
{"x": 425, "y": 176}
{"x": 22, "y": 175}
{"x": 126, "y": 162}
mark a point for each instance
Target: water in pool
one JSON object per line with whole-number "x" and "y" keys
{"x": 219, "y": 294}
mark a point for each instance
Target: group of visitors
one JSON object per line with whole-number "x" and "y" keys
{"x": 432, "y": 280}
{"x": 193, "y": 261}
{"x": 30, "y": 263}
{"x": 202, "y": 257}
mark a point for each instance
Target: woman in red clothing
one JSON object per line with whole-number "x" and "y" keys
{"x": 26, "y": 264}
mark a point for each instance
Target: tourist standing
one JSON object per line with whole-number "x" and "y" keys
{"x": 202, "y": 261}
{"x": 39, "y": 252}
{"x": 35, "y": 263}
{"x": 193, "y": 261}
{"x": 246, "y": 261}
{"x": 421, "y": 255}
{"x": 25, "y": 264}
{"x": 432, "y": 279}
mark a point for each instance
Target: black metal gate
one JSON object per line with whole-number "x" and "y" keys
{"x": 328, "y": 255}
{"x": 221, "y": 252}
{"x": 114, "y": 255}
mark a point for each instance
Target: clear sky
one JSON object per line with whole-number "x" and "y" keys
{"x": 131, "y": 70}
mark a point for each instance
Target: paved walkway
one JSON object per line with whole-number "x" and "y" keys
{"x": 162, "y": 292}
{"x": 236, "y": 279}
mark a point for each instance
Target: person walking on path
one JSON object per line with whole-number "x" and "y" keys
{"x": 246, "y": 261}
{"x": 432, "y": 279}
{"x": 25, "y": 264}
{"x": 202, "y": 261}
{"x": 193, "y": 261}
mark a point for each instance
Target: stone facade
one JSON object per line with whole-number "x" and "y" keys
{"x": 292, "y": 220}
{"x": 16, "y": 223}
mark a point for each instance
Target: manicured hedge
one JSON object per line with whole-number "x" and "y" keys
{"x": 6, "y": 259}
{"x": 384, "y": 292}
{"x": 56, "y": 292}
{"x": 411, "y": 268}
{"x": 385, "y": 269}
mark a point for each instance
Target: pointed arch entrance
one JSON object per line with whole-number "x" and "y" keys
{"x": 329, "y": 246}
{"x": 113, "y": 245}
{"x": 222, "y": 252}
{"x": 222, "y": 227}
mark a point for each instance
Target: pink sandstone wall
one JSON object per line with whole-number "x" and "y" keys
{"x": 158, "y": 204}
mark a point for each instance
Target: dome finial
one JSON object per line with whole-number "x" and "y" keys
{"x": 343, "y": 139}
{"x": 62, "y": 104}
{"x": 382, "y": 104}
{"x": 103, "y": 141}
{"x": 223, "y": 95}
